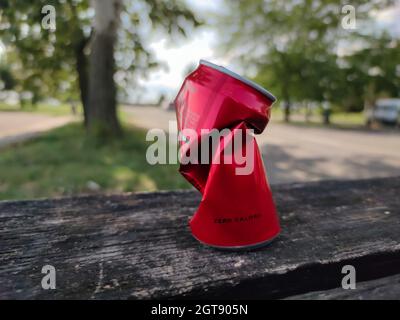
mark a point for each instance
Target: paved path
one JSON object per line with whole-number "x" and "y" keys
{"x": 299, "y": 154}
{"x": 19, "y": 126}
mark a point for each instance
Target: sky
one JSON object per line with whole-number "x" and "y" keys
{"x": 178, "y": 59}
{"x": 199, "y": 45}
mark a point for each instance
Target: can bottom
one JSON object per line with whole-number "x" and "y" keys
{"x": 240, "y": 248}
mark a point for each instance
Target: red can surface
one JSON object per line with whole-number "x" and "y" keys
{"x": 237, "y": 210}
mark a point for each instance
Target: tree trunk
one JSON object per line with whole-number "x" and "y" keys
{"x": 83, "y": 80}
{"x": 307, "y": 112}
{"x": 102, "y": 120}
{"x": 285, "y": 88}
{"x": 326, "y": 113}
{"x": 327, "y": 117}
{"x": 287, "y": 111}
{"x": 287, "y": 107}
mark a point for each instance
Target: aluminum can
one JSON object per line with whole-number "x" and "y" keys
{"x": 237, "y": 211}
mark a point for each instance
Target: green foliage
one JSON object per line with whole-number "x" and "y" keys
{"x": 66, "y": 162}
{"x": 7, "y": 80}
{"x": 44, "y": 62}
{"x": 292, "y": 48}
{"x": 373, "y": 71}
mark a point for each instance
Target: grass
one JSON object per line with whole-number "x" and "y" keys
{"x": 345, "y": 120}
{"x": 349, "y": 118}
{"x": 338, "y": 119}
{"x": 53, "y": 110}
{"x": 66, "y": 162}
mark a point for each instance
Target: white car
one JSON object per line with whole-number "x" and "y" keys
{"x": 385, "y": 111}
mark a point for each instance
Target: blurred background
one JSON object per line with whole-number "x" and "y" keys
{"x": 82, "y": 81}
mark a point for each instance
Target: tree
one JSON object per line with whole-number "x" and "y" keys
{"x": 374, "y": 71}
{"x": 291, "y": 45}
{"x": 40, "y": 56}
{"x": 7, "y": 81}
{"x": 47, "y": 54}
{"x": 102, "y": 93}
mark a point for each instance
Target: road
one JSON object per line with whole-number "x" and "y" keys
{"x": 19, "y": 126}
{"x": 300, "y": 154}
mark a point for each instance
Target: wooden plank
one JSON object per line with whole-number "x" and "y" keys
{"x": 139, "y": 246}
{"x": 387, "y": 288}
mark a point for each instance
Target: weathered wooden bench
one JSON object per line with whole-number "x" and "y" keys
{"x": 138, "y": 246}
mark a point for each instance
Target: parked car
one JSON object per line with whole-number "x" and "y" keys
{"x": 385, "y": 111}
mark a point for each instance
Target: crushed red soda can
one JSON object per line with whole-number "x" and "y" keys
{"x": 237, "y": 210}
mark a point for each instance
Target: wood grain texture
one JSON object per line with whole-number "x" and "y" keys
{"x": 387, "y": 288}
{"x": 138, "y": 246}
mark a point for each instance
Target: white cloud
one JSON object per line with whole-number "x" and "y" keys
{"x": 179, "y": 58}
